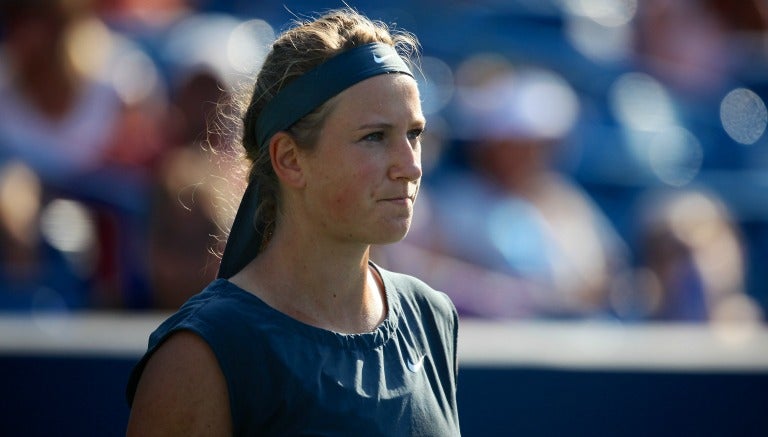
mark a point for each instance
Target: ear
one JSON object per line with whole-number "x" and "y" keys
{"x": 284, "y": 153}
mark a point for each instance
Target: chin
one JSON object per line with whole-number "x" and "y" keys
{"x": 391, "y": 236}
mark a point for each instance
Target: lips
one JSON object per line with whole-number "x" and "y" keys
{"x": 400, "y": 198}
{"x": 403, "y": 194}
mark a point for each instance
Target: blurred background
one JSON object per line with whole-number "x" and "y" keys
{"x": 585, "y": 160}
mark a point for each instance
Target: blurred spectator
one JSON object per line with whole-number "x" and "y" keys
{"x": 692, "y": 259}
{"x": 199, "y": 174}
{"x": 702, "y": 51}
{"x": 183, "y": 222}
{"x": 65, "y": 110}
{"x": 77, "y": 107}
{"x": 34, "y": 275}
{"x": 683, "y": 43}
{"x": 185, "y": 205}
{"x": 697, "y": 46}
{"x": 710, "y": 57}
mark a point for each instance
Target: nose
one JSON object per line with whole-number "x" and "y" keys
{"x": 406, "y": 161}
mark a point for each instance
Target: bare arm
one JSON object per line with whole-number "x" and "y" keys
{"x": 182, "y": 392}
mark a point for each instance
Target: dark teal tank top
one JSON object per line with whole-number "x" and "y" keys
{"x": 288, "y": 378}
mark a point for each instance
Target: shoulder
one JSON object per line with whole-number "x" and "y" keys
{"x": 182, "y": 391}
{"x": 216, "y": 317}
{"x": 414, "y": 288}
{"x": 417, "y": 296}
{"x": 221, "y": 306}
{"x": 216, "y": 338}
{"x": 235, "y": 335}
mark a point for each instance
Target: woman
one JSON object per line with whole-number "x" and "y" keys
{"x": 309, "y": 337}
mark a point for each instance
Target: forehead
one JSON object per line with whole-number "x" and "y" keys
{"x": 391, "y": 95}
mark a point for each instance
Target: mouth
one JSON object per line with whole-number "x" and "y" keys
{"x": 404, "y": 196}
{"x": 407, "y": 199}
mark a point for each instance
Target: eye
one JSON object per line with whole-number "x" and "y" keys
{"x": 415, "y": 134}
{"x": 373, "y": 136}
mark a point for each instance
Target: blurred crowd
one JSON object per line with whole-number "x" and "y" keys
{"x": 583, "y": 158}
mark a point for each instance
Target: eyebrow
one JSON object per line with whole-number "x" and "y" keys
{"x": 374, "y": 126}
{"x": 420, "y": 122}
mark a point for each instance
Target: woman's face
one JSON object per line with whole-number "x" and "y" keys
{"x": 363, "y": 175}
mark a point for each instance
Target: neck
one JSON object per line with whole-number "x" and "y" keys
{"x": 324, "y": 285}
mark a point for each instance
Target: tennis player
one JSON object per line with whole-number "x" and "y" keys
{"x": 301, "y": 334}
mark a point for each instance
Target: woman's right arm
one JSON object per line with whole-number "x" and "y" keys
{"x": 182, "y": 392}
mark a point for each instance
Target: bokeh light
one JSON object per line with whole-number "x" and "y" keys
{"x": 196, "y": 43}
{"x": 135, "y": 77}
{"x": 68, "y": 226}
{"x": 609, "y": 13}
{"x": 744, "y": 115}
{"x": 641, "y": 102}
{"x": 600, "y": 29}
{"x": 436, "y": 84}
{"x": 248, "y": 45}
{"x": 675, "y": 156}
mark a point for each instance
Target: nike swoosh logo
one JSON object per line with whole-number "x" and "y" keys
{"x": 415, "y": 366}
{"x": 380, "y": 59}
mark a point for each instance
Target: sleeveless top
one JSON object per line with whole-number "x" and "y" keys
{"x": 288, "y": 378}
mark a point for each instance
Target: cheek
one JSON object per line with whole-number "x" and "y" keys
{"x": 349, "y": 189}
{"x": 343, "y": 201}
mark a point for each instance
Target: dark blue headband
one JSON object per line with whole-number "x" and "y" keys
{"x": 312, "y": 89}
{"x": 297, "y": 99}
